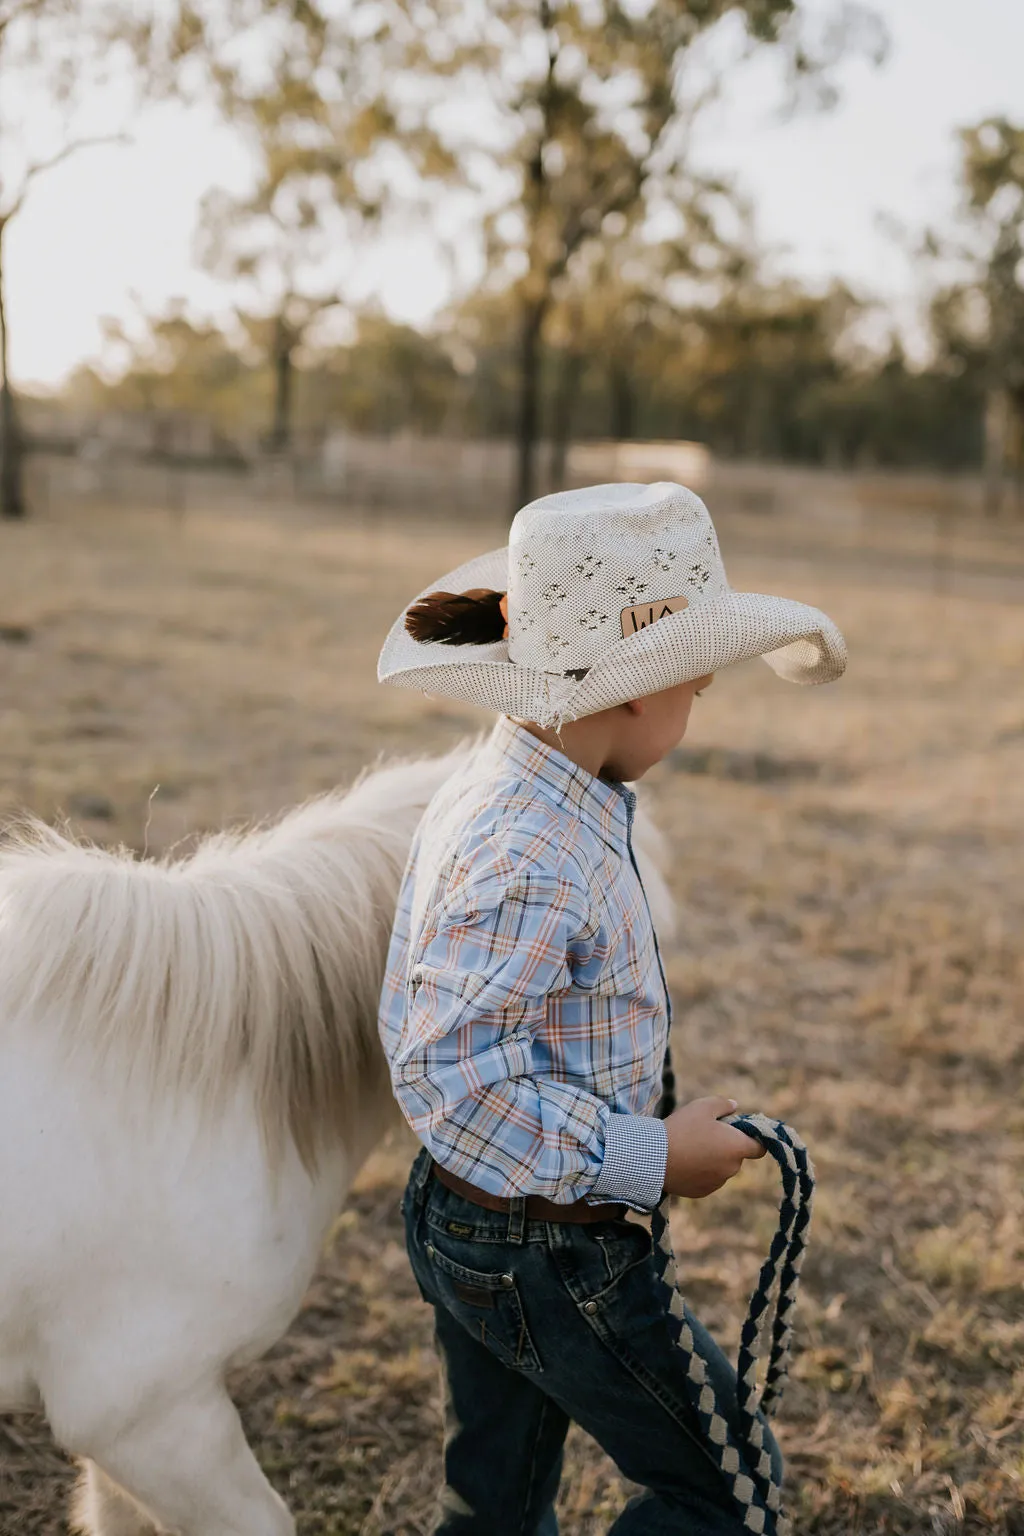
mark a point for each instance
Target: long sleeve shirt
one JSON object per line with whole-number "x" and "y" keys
{"x": 524, "y": 1011}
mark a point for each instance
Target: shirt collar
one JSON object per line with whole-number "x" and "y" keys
{"x": 603, "y": 805}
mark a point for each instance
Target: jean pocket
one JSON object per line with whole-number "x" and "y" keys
{"x": 623, "y": 1245}
{"x": 488, "y": 1305}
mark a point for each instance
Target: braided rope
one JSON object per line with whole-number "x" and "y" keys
{"x": 743, "y": 1458}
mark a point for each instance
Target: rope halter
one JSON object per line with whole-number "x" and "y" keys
{"x": 741, "y": 1456}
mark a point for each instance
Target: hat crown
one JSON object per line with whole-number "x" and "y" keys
{"x": 581, "y": 560}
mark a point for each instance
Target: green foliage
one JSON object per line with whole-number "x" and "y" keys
{"x": 391, "y": 378}
{"x": 978, "y": 317}
{"x": 318, "y": 98}
{"x": 571, "y": 122}
{"x": 567, "y": 123}
{"x": 177, "y": 365}
{"x": 993, "y": 161}
{"x": 767, "y": 374}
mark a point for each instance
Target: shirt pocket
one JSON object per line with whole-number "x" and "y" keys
{"x": 488, "y": 1306}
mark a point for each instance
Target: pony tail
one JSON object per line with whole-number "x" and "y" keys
{"x": 476, "y": 617}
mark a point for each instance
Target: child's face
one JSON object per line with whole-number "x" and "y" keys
{"x": 647, "y": 729}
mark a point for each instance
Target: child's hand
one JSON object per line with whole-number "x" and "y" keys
{"x": 702, "y": 1152}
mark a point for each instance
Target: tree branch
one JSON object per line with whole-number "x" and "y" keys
{"x": 26, "y": 8}
{"x": 40, "y": 166}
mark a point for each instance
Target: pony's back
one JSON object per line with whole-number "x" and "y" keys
{"x": 255, "y": 961}
{"x": 189, "y": 1079}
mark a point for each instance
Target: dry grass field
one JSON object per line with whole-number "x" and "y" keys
{"x": 848, "y": 864}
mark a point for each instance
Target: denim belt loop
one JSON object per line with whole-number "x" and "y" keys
{"x": 419, "y": 1176}
{"x": 517, "y": 1220}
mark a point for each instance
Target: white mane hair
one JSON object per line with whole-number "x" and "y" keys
{"x": 259, "y": 956}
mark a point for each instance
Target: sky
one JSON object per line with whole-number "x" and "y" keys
{"x": 110, "y": 232}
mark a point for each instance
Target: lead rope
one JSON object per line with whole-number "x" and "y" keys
{"x": 743, "y": 1459}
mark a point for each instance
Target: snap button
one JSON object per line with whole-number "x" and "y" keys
{"x": 508, "y": 1281}
{"x": 590, "y": 1307}
{"x": 429, "y": 1250}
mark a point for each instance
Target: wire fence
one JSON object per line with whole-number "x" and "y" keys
{"x": 929, "y": 525}
{"x": 471, "y": 478}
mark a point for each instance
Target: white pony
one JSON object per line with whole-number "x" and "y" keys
{"x": 190, "y": 1079}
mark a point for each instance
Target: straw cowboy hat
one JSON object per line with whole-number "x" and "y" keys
{"x": 601, "y": 595}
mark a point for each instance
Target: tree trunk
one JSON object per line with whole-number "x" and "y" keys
{"x": 561, "y": 414}
{"x": 12, "y": 489}
{"x": 755, "y": 417}
{"x": 529, "y": 388}
{"x": 623, "y": 402}
{"x": 1017, "y": 432}
{"x": 281, "y": 431}
{"x": 997, "y": 425}
{"x": 537, "y": 292}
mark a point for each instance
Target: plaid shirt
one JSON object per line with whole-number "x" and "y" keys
{"x": 524, "y": 1011}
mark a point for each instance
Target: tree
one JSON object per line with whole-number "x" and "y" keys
{"x": 318, "y": 99}
{"x": 174, "y": 364}
{"x": 389, "y": 378}
{"x": 12, "y": 492}
{"x": 754, "y": 369}
{"x": 271, "y": 239}
{"x": 978, "y": 320}
{"x": 52, "y": 54}
{"x": 581, "y": 122}
{"x": 622, "y": 301}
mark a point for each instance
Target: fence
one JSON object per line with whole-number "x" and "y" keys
{"x": 439, "y": 476}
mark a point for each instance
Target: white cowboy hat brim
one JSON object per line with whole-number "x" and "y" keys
{"x": 797, "y": 641}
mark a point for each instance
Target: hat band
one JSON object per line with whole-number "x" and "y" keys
{"x": 633, "y": 619}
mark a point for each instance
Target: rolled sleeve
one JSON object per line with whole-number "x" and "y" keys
{"x": 635, "y": 1156}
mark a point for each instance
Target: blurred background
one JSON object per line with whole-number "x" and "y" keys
{"x": 248, "y": 242}
{"x": 299, "y": 300}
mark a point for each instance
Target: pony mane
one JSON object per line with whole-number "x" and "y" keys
{"x": 257, "y": 958}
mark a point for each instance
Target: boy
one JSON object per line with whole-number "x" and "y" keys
{"x": 525, "y": 1013}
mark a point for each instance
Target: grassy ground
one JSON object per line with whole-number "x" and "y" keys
{"x": 847, "y": 863}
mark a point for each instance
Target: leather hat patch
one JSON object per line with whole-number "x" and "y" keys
{"x": 643, "y": 615}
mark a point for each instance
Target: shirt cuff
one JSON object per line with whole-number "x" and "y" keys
{"x": 635, "y": 1157}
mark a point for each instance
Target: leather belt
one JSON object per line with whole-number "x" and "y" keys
{"x": 537, "y": 1208}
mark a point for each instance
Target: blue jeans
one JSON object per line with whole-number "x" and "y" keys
{"x": 539, "y": 1323}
